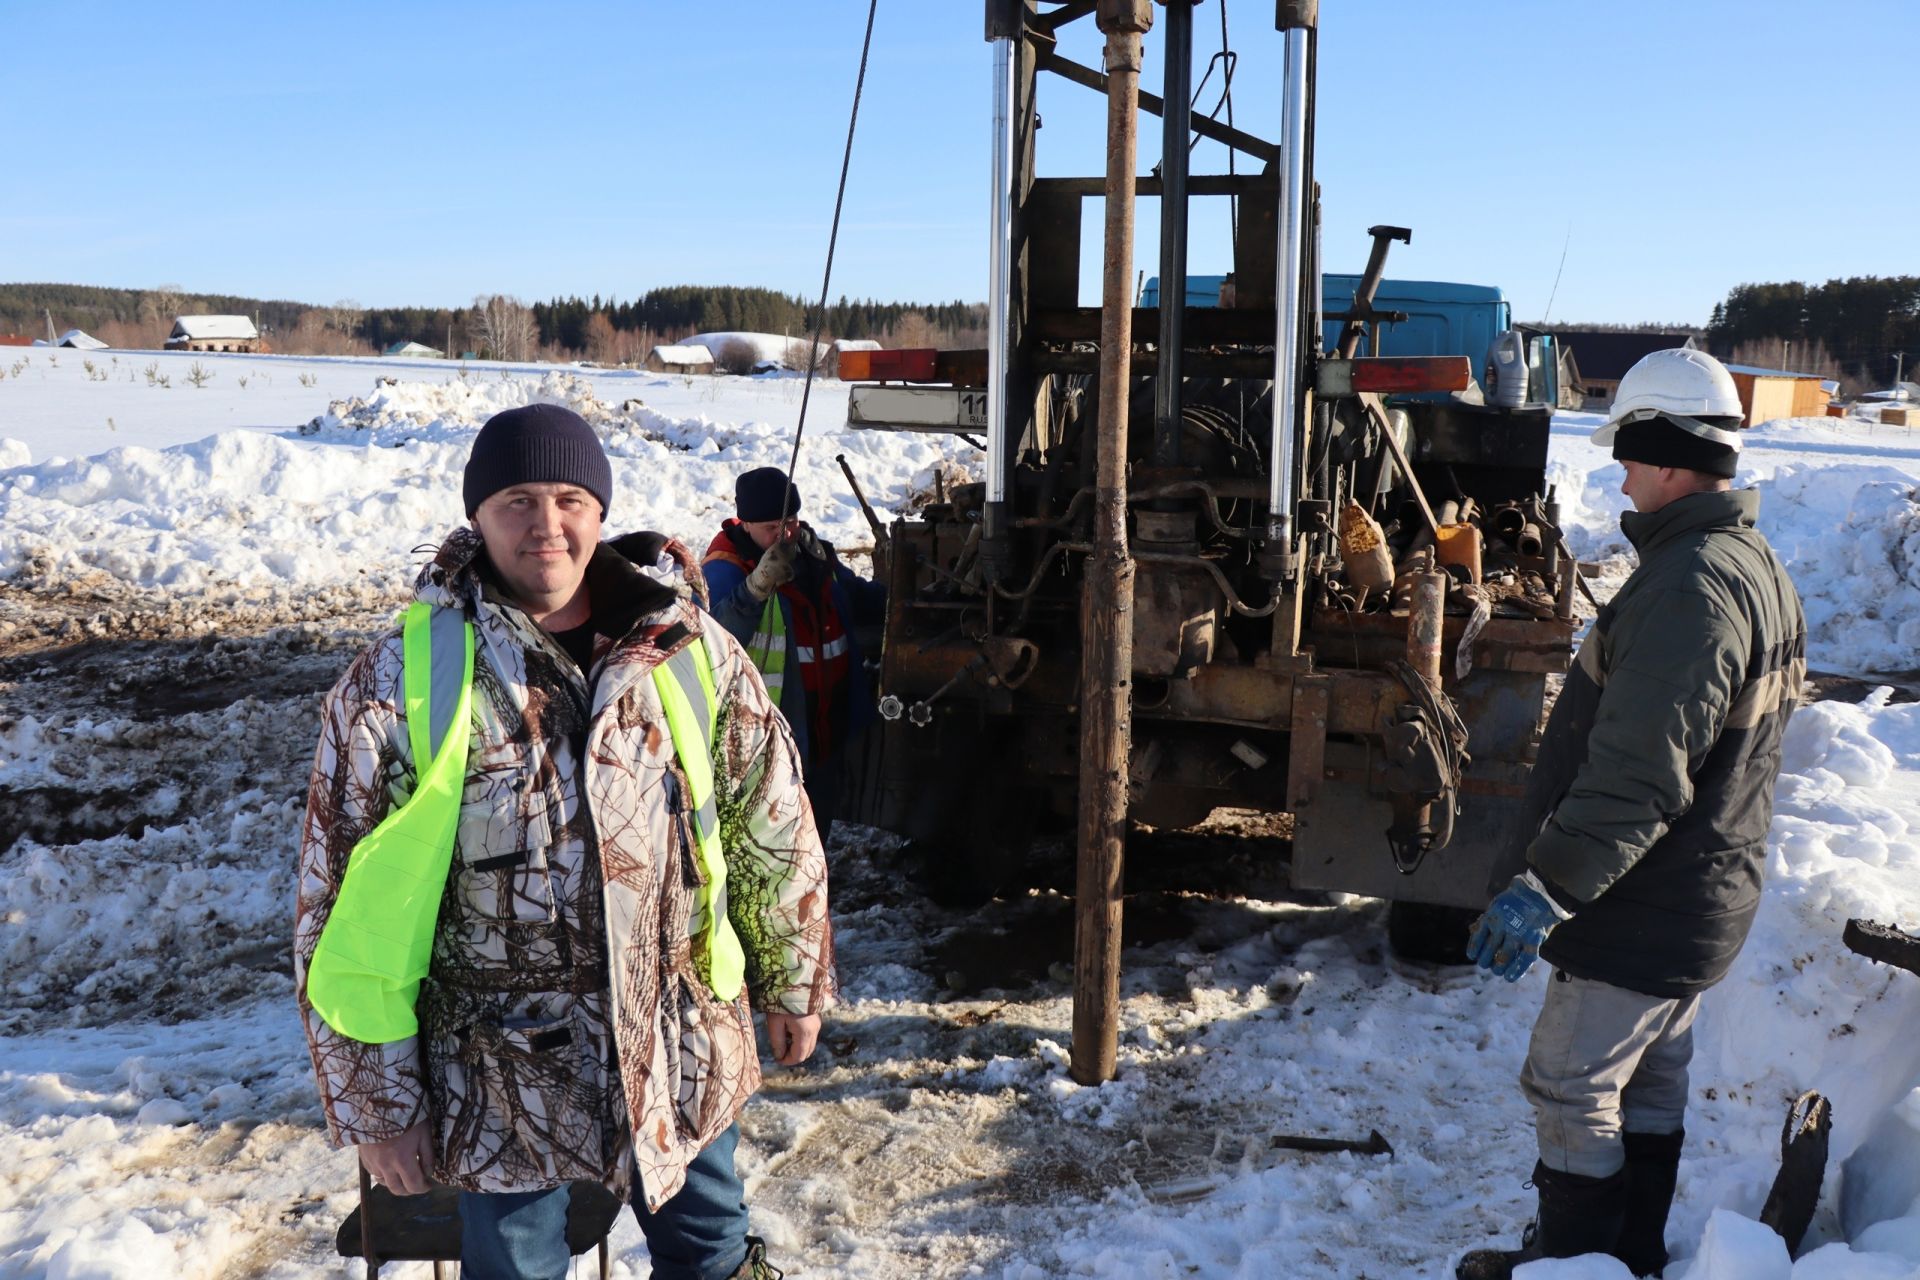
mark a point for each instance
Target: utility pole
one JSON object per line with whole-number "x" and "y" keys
{"x": 1106, "y": 601}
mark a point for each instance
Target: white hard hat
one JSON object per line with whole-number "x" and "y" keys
{"x": 1688, "y": 388}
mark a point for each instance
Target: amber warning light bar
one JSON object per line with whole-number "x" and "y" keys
{"x": 911, "y": 365}
{"x": 1388, "y": 375}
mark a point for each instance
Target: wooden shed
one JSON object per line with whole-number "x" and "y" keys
{"x": 1767, "y": 394}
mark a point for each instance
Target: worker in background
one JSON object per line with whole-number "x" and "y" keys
{"x": 783, "y": 593}
{"x": 585, "y": 1010}
{"x": 1639, "y": 861}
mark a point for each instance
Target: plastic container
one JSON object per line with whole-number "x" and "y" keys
{"x": 1459, "y": 544}
{"x": 1507, "y": 370}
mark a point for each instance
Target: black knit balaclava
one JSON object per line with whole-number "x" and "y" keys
{"x": 536, "y": 444}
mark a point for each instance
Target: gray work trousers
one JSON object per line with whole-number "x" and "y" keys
{"x": 1605, "y": 1060}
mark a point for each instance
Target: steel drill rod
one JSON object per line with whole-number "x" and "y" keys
{"x": 1106, "y": 603}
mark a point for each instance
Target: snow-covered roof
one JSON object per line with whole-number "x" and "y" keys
{"x": 208, "y": 328}
{"x": 855, "y": 344}
{"x": 81, "y": 341}
{"x": 1899, "y": 391}
{"x": 683, "y": 353}
{"x": 1756, "y": 371}
{"x": 412, "y": 349}
{"x": 768, "y": 348}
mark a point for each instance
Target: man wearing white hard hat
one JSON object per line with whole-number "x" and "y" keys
{"x": 1635, "y": 873}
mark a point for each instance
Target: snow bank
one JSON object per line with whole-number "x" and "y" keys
{"x": 1850, "y": 535}
{"x": 355, "y": 490}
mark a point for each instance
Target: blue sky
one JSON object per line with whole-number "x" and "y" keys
{"x": 423, "y": 153}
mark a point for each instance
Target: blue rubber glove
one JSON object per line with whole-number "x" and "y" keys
{"x": 1508, "y": 937}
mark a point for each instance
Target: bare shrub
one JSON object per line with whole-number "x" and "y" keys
{"x": 736, "y": 355}
{"x": 804, "y": 357}
{"x": 161, "y": 304}
{"x": 601, "y": 338}
{"x": 145, "y": 334}
{"x": 317, "y": 334}
{"x": 911, "y": 330}
{"x": 1792, "y": 355}
{"x": 199, "y": 375}
{"x": 630, "y": 346}
{"x": 503, "y": 327}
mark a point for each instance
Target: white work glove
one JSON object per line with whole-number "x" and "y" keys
{"x": 774, "y": 569}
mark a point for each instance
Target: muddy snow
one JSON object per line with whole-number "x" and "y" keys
{"x": 178, "y": 591}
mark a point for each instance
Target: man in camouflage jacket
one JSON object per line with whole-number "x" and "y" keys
{"x": 566, "y": 1027}
{"x": 1647, "y": 814}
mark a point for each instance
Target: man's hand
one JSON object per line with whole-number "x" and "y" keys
{"x": 400, "y": 1164}
{"x": 775, "y": 569}
{"x": 1509, "y": 935}
{"x": 791, "y": 1037}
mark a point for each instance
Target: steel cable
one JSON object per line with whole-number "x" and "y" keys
{"x": 826, "y": 279}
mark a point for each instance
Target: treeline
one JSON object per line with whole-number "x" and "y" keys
{"x": 24, "y": 308}
{"x": 678, "y": 310}
{"x": 1863, "y": 324}
{"x": 566, "y": 328}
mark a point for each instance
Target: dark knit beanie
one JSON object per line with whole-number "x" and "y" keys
{"x": 761, "y": 494}
{"x": 537, "y": 444}
{"x": 1660, "y": 443}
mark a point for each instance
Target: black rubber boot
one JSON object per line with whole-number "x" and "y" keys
{"x": 1653, "y": 1166}
{"x": 1578, "y": 1214}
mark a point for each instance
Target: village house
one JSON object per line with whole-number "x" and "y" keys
{"x": 680, "y": 358}
{"x": 213, "y": 333}
{"x": 1602, "y": 357}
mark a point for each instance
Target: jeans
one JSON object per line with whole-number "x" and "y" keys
{"x": 700, "y": 1234}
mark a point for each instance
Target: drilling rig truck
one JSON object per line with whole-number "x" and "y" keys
{"x": 1349, "y": 585}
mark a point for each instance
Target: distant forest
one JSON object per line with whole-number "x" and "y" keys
{"x": 567, "y": 328}
{"x": 1859, "y": 330}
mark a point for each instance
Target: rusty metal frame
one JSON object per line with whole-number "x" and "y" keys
{"x": 1307, "y": 747}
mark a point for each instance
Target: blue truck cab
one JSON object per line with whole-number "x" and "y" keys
{"x": 1443, "y": 318}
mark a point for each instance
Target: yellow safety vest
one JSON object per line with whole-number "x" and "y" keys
{"x": 374, "y": 950}
{"x": 768, "y": 648}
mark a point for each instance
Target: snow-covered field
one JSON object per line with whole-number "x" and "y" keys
{"x": 184, "y": 570}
